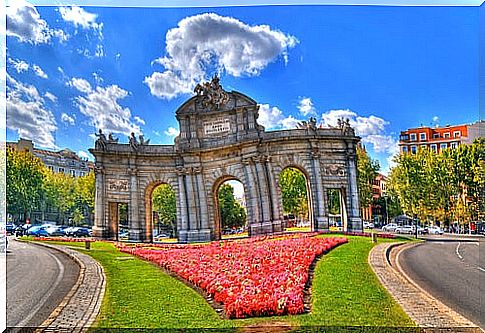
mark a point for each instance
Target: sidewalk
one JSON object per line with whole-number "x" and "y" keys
{"x": 426, "y": 311}
{"x": 78, "y": 310}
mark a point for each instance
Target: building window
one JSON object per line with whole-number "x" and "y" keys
{"x": 454, "y": 145}
{"x": 413, "y": 136}
{"x": 413, "y": 149}
{"x": 424, "y": 146}
{"x": 456, "y": 134}
{"x": 404, "y": 149}
{"x": 436, "y": 135}
{"x": 73, "y": 173}
{"x": 434, "y": 147}
{"x": 446, "y": 135}
{"x": 51, "y": 167}
{"x": 443, "y": 146}
{"x": 422, "y": 136}
{"x": 61, "y": 169}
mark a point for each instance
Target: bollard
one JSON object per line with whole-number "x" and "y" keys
{"x": 87, "y": 245}
{"x": 374, "y": 238}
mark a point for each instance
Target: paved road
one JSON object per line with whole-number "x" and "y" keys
{"x": 452, "y": 271}
{"x": 37, "y": 280}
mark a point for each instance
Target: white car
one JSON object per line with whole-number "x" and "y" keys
{"x": 434, "y": 230}
{"x": 405, "y": 229}
{"x": 390, "y": 227}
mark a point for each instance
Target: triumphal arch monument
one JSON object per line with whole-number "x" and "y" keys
{"x": 220, "y": 139}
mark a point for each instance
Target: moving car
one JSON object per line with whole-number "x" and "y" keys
{"x": 405, "y": 229}
{"x": 434, "y": 230}
{"x": 390, "y": 227}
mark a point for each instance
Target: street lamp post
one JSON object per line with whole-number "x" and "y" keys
{"x": 387, "y": 208}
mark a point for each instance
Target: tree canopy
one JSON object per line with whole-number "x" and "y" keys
{"x": 233, "y": 215}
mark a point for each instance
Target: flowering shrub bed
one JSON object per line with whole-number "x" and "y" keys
{"x": 253, "y": 277}
{"x": 64, "y": 239}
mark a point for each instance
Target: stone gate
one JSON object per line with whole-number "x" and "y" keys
{"x": 220, "y": 140}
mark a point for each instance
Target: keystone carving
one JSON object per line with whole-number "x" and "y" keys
{"x": 334, "y": 170}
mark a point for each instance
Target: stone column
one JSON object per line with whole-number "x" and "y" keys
{"x": 355, "y": 221}
{"x": 182, "y": 232}
{"x": 321, "y": 221}
{"x": 253, "y": 207}
{"x": 276, "y": 218}
{"x": 264, "y": 197}
{"x": 192, "y": 206}
{"x": 205, "y": 232}
{"x": 100, "y": 228}
{"x": 138, "y": 232}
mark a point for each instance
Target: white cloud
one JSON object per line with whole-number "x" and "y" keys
{"x": 39, "y": 72}
{"x": 51, "y": 96}
{"x": 24, "y": 22}
{"x": 80, "y": 84}
{"x": 207, "y": 42}
{"x": 27, "y": 115}
{"x": 101, "y": 106}
{"x": 436, "y": 119}
{"x": 139, "y": 120}
{"x": 306, "y": 107}
{"x": 67, "y": 119}
{"x": 273, "y": 118}
{"x": 83, "y": 154}
{"x": 363, "y": 125}
{"x": 172, "y": 131}
{"x": 19, "y": 65}
{"x": 371, "y": 129}
{"x": 99, "y": 52}
{"x": 80, "y": 18}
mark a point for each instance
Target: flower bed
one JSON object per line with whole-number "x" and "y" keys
{"x": 260, "y": 276}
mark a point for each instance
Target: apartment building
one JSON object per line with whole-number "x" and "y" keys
{"x": 439, "y": 138}
{"x": 65, "y": 160}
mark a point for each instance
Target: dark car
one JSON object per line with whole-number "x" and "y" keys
{"x": 10, "y": 228}
{"x": 81, "y": 232}
{"x": 55, "y": 231}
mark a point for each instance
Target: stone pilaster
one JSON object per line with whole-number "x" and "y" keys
{"x": 100, "y": 228}
{"x": 354, "y": 219}
{"x": 253, "y": 205}
{"x": 276, "y": 216}
{"x": 182, "y": 232}
{"x": 205, "y": 232}
{"x": 138, "y": 232}
{"x": 321, "y": 220}
{"x": 264, "y": 197}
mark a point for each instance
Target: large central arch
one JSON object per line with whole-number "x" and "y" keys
{"x": 220, "y": 139}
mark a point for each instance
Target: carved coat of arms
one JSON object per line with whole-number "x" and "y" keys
{"x": 211, "y": 95}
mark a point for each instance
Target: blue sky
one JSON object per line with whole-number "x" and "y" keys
{"x": 72, "y": 70}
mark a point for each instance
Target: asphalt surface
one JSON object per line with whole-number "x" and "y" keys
{"x": 37, "y": 280}
{"x": 453, "y": 271}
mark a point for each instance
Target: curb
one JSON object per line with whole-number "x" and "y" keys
{"x": 417, "y": 303}
{"x": 89, "y": 288}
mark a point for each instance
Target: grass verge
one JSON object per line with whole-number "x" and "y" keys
{"x": 345, "y": 292}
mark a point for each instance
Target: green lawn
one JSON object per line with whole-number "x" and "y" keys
{"x": 345, "y": 293}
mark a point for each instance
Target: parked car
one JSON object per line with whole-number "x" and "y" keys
{"x": 55, "y": 231}
{"x": 405, "y": 229}
{"x": 368, "y": 225}
{"x": 37, "y": 231}
{"x": 435, "y": 230}
{"x": 10, "y": 228}
{"x": 390, "y": 227}
{"x": 81, "y": 232}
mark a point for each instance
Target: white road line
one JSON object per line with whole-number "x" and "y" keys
{"x": 458, "y": 252}
{"x": 483, "y": 270}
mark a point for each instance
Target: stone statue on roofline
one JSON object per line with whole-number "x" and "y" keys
{"x": 112, "y": 139}
{"x": 101, "y": 141}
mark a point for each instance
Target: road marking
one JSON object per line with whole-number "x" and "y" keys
{"x": 458, "y": 252}
{"x": 483, "y": 270}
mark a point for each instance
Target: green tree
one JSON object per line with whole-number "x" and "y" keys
{"x": 60, "y": 191}
{"x": 233, "y": 214}
{"x": 24, "y": 183}
{"x": 164, "y": 203}
{"x": 294, "y": 192}
{"x": 367, "y": 169}
{"x": 84, "y": 194}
